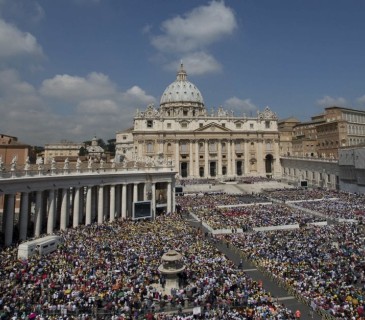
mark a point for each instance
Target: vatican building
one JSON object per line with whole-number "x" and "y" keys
{"x": 202, "y": 144}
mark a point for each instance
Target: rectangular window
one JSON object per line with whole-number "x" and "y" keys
{"x": 169, "y": 125}
{"x": 267, "y": 124}
{"x": 184, "y": 147}
{"x": 149, "y": 147}
{"x": 251, "y": 125}
{"x": 149, "y": 124}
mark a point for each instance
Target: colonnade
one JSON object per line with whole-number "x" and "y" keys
{"x": 43, "y": 211}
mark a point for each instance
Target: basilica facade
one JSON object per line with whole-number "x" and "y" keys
{"x": 201, "y": 144}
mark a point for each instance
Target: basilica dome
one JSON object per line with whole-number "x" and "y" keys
{"x": 182, "y": 91}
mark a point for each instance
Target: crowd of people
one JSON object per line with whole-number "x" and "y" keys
{"x": 331, "y": 203}
{"x": 222, "y": 211}
{"x": 325, "y": 265}
{"x": 114, "y": 268}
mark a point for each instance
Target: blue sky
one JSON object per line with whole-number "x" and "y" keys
{"x": 72, "y": 69}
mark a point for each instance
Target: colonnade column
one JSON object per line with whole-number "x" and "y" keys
{"x": 124, "y": 201}
{"x": 206, "y": 156}
{"x": 191, "y": 159}
{"x": 88, "y": 205}
{"x": 145, "y": 192}
{"x": 38, "y": 214}
{"x": 219, "y": 158}
{"x": 76, "y": 208}
{"x": 117, "y": 201}
{"x": 135, "y": 192}
{"x": 24, "y": 214}
{"x": 9, "y": 219}
{"x": 64, "y": 210}
{"x": 112, "y": 204}
{"x": 153, "y": 189}
{"x": 51, "y": 211}
{"x": 169, "y": 200}
{"x": 100, "y": 204}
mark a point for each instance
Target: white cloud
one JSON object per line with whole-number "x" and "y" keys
{"x": 197, "y": 63}
{"x": 361, "y": 100}
{"x": 14, "y": 42}
{"x": 74, "y": 88}
{"x": 39, "y": 116}
{"x": 138, "y": 96}
{"x": 199, "y": 28}
{"x": 240, "y": 106}
{"x": 328, "y": 101}
{"x": 98, "y": 107}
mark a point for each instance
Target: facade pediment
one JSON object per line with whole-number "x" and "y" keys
{"x": 212, "y": 127}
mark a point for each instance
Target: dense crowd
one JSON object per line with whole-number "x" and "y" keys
{"x": 300, "y": 194}
{"x": 222, "y": 211}
{"x": 213, "y": 200}
{"x": 345, "y": 206}
{"x": 325, "y": 265}
{"x": 114, "y": 267}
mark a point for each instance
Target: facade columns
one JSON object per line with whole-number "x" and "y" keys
{"x": 9, "y": 219}
{"x": 88, "y": 205}
{"x": 112, "y": 204}
{"x": 191, "y": 159}
{"x": 38, "y": 214}
{"x": 76, "y": 208}
{"x": 219, "y": 158}
{"x": 197, "y": 171}
{"x": 177, "y": 156}
{"x": 206, "y": 156}
{"x": 51, "y": 211}
{"x": 229, "y": 158}
{"x": 64, "y": 210}
{"x": 233, "y": 153}
{"x": 247, "y": 157}
{"x": 124, "y": 201}
{"x": 24, "y": 214}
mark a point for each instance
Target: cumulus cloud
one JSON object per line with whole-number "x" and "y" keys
{"x": 14, "y": 42}
{"x": 190, "y": 36}
{"x": 38, "y": 115}
{"x": 98, "y": 106}
{"x": 75, "y": 88}
{"x": 199, "y": 28}
{"x": 240, "y": 106}
{"x": 328, "y": 101}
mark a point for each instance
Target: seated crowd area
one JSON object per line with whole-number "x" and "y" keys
{"x": 112, "y": 269}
